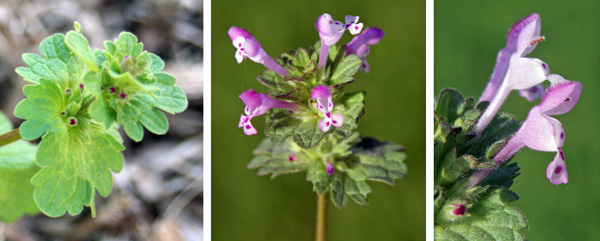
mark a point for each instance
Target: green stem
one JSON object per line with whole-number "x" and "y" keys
{"x": 10, "y": 137}
{"x": 321, "y": 230}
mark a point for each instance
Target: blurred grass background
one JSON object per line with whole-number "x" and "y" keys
{"x": 250, "y": 207}
{"x": 467, "y": 39}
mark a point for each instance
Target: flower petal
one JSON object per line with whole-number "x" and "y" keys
{"x": 329, "y": 31}
{"x": 337, "y": 120}
{"x": 249, "y": 129}
{"x": 561, "y": 98}
{"x": 532, "y": 93}
{"x": 557, "y": 169}
{"x": 242, "y": 121}
{"x": 523, "y": 33}
{"x": 239, "y": 56}
{"x": 537, "y": 132}
{"x": 325, "y": 124}
{"x": 355, "y": 28}
{"x": 235, "y": 32}
{"x": 351, "y": 19}
{"x": 525, "y": 73}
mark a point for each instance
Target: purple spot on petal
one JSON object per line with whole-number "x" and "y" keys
{"x": 558, "y": 169}
{"x": 334, "y": 122}
{"x": 356, "y": 27}
{"x": 72, "y": 122}
{"x": 80, "y": 86}
{"x": 328, "y": 114}
{"x": 544, "y": 65}
{"x": 533, "y": 90}
{"x": 327, "y": 124}
{"x": 123, "y": 95}
{"x": 248, "y": 127}
{"x": 62, "y": 113}
{"x": 562, "y": 135}
{"x": 292, "y": 158}
{"x": 561, "y": 153}
{"x": 112, "y": 90}
{"x": 68, "y": 91}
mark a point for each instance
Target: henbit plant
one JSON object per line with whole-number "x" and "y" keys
{"x": 77, "y": 100}
{"x": 311, "y": 122}
{"x": 474, "y": 143}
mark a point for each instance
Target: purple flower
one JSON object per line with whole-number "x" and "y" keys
{"x": 360, "y": 45}
{"x": 325, "y": 105}
{"x": 329, "y": 168}
{"x": 542, "y": 132}
{"x": 513, "y": 71}
{"x": 331, "y": 31}
{"x": 248, "y": 46}
{"x": 258, "y": 104}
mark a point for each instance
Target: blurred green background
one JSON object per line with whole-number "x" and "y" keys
{"x": 250, "y": 207}
{"x": 468, "y": 37}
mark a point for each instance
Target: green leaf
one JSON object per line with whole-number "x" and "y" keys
{"x": 338, "y": 194}
{"x": 308, "y": 134}
{"x": 351, "y": 106}
{"x": 345, "y": 69}
{"x": 279, "y": 159}
{"x": 491, "y": 218}
{"x": 169, "y": 98}
{"x": 378, "y": 161}
{"x": 138, "y": 110}
{"x": 17, "y": 166}
{"x": 355, "y": 160}
{"x": 317, "y": 174}
{"x": 157, "y": 63}
{"x": 52, "y": 64}
{"x": 41, "y": 109}
{"x": 80, "y": 46}
{"x": 76, "y": 160}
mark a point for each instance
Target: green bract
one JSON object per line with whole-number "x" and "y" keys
{"x": 17, "y": 166}
{"x": 458, "y": 154}
{"x": 77, "y": 99}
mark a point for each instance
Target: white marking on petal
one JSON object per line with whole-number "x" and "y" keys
{"x": 239, "y": 56}
{"x": 355, "y": 28}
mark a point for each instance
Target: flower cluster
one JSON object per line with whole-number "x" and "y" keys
{"x": 305, "y": 100}
{"x": 330, "y": 32}
{"x": 514, "y": 71}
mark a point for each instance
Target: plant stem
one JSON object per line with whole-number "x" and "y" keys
{"x": 10, "y": 137}
{"x": 321, "y": 229}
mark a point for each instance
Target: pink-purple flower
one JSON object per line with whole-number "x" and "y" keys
{"x": 542, "y": 132}
{"x": 322, "y": 95}
{"x": 360, "y": 45}
{"x": 248, "y": 47}
{"x": 513, "y": 71}
{"x": 258, "y": 104}
{"x": 331, "y": 31}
